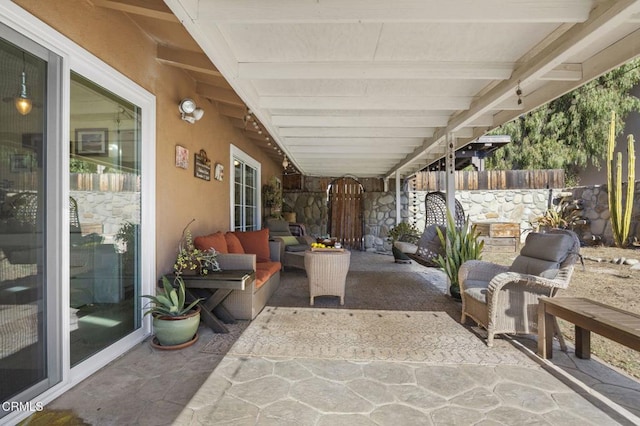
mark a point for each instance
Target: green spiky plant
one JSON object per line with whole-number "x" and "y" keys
{"x": 170, "y": 301}
{"x": 404, "y": 231}
{"x": 620, "y": 221}
{"x": 461, "y": 244}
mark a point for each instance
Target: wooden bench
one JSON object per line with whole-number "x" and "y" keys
{"x": 587, "y": 316}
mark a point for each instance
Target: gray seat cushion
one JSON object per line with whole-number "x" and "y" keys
{"x": 551, "y": 247}
{"x": 542, "y": 255}
{"x": 538, "y": 267}
{"x": 278, "y": 228}
{"x": 476, "y": 289}
{"x": 296, "y": 247}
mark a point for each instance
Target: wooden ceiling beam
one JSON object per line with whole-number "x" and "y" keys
{"x": 362, "y": 11}
{"x": 218, "y": 94}
{"x": 185, "y": 59}
{"x": 363, "y": 142}
{"x": 356, "y": 132}
{"x": 365, "y": 121}
{"x": 452, "y": 103}
{"x": 233, "y": 111}
{"x": 392, "y": 70}
{"x": 149, "y": 9}
{"x": 602, "y": 19}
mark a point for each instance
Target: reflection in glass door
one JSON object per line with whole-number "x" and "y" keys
{"x": 104, "y": 206}
{"x": 23, "y": 295}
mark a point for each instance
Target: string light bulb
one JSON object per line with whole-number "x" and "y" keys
{"x": 519, "y": 94}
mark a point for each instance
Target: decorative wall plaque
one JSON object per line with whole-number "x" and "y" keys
{"x": 202, "y": 168}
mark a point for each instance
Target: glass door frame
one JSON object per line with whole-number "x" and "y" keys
{"x": 237, "y": 153}
{"x": 73, "y": 57}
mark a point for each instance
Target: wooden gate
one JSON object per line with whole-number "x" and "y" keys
{"x": 346, "y": 208}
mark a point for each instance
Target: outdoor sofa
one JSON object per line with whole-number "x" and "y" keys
{"x": 250, "y": 250}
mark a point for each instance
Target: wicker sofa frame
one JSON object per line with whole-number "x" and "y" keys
{"x": 246, "y": 304}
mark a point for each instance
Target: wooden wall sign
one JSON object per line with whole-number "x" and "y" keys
{"x": 202, "y": 168}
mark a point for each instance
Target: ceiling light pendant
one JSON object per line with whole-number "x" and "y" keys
{"x": 22, "y": 102}
{"x": 285, "y": 162}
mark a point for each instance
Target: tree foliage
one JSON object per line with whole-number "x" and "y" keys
{"x": 570, "y": 132}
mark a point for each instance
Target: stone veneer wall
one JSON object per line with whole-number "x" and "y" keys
{"x": 104, "y": 212}
{"x": 596, "y": 209}
{"x": 519, "y": 206}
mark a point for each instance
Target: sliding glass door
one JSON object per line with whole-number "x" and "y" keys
{"x": 77, "y": 225}
{"x": 104, "y": 207}
{"x": 25, "y": 343}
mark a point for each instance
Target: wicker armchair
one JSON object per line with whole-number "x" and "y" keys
{"x": 292, "y": 247}
{"x": 504, "y": 299}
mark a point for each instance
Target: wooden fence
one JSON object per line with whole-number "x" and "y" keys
{"x": 489, "y": 179}
{"x": 105, "y": 182}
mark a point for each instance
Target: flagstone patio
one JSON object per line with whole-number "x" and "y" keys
{"x": 394, "y": 354}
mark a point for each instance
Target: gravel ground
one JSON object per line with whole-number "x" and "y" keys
{"x": 610, "y": 283}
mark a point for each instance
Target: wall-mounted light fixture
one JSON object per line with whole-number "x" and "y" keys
{"x": 189, "y": 112}
{"x": 22, "y": 102}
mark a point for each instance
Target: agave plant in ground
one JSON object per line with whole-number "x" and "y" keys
{"x": 173, "y": 322}
{"x": 461, "y": 244}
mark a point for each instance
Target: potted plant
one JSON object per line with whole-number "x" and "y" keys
{"x": 175, "y": 325}
{"x": 404, "y": 232}
{"x": 192, "y": 261}
{"x": 550, "y": 219}
{"x": 127, "y": 236}
{"x": 288, "y": 213}
{"x": 272, "y": 197}
{"x": 461, "y": 244}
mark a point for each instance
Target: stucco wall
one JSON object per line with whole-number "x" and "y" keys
{"x": 180, "y": 197}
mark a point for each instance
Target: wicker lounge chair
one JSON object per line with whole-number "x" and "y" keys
{"x": 504, "y": 299}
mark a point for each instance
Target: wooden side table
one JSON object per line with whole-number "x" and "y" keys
{"x": 213, "y": 289}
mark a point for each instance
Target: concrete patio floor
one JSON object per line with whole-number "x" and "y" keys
{"x": 199, "y": 386}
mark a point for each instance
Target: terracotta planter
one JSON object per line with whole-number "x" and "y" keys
{"x": 172, "y": 331}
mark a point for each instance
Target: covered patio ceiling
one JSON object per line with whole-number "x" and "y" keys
{"x": 368, "y": 87}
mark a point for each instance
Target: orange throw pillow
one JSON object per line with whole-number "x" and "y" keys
{"x": 233, "y": 243}
{"x": 255, "y": 242}
{"x": 215, "y": 241}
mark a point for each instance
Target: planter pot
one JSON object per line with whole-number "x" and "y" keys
{"x": 157, "y": 345}
{"x": 172, "y": 331}
{"x": 399, "y": 256}
{"x": 455, "y": 292}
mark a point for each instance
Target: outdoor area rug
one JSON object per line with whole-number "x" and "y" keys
{"x": 369, "y": 335}
{"x": 220, "y": 343}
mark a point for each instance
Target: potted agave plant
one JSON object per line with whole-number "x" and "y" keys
{"x": 175, "y": 324}
{"x": 461, "y": 244}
